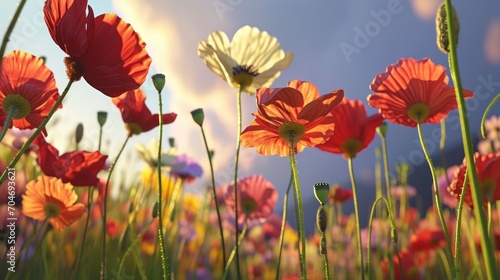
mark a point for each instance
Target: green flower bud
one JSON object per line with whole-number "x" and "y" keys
{"x": 198, "y": 116}
{"x": 382, "y": 130}
{"x": 321, "y": 219}
{"x": 322, "y": 246}
{"x": 321, "y": 192}
{"x": 158, "y": 81}
{"x": 171, "y": 142}
{"x": 79, "y": 133}
{"x": 443, "y": 41}
{"x": 394, "y": 235}
{"x": 102, "y": 117}
{"x": 155, "y": 210}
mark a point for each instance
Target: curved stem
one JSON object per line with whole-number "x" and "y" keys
{"x": 233, "y": 253}
{"x": 37, "y": 131}
{"x": 235, "y": 192}
{"x": 165, "y": 263}
{"x": 302, "y": 251}
{"x": 10, "y": 28}
{"x": 283, "y": 226}
{"x": 483, "y": 119}
{"x": 104, "y": 210}
{"x": 386, "y": 172}
{"x": 214, "y": 196}
{"x": 486, "y": 244}
{"x": 439, "y": 208}
{"x": 356, "y": 214}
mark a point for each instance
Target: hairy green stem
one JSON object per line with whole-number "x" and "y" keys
{"x": 214, "y": 196}
{"x": 459, "y": 225}
{"x": 104, "y": 210}
{"x": 10, "y": 28}
{"x": 356, "y": 214}
{"x": 439, "y": 208}
{"x": 302, "y": 251}
{"x": 486, "y": 244}
{"x": 283, "y": 226}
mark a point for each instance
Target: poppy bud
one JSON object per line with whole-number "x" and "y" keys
{"x": 171, "y": 142}
{"x": 321, "y": 219}
{"x": 394, "y": 235}
{"x": 102, "y": 117}
{"x": 79, "y": 133}
{"x": 442, "y": 28}
{"x": 198, "y": 116}
{"x": 321, "y": 192}
{"x": 322, "y": 245}
{"x": 155, "y": 210}
{"x": 382, "y": 130}
{"x": 158, "y": 81}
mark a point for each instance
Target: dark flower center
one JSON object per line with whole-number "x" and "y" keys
{"x": 351, "y": 147}
{"x": 243, "y": 75}
{"x": 291, "y": 132}
{"x": 52, "y": 209}
{"x": 18, "y": 103}
{"x": 248, "y": 205}
{"x": 418, "y": 112}
{"x": 74, "y": 69}
{"x": 133, "y": 129}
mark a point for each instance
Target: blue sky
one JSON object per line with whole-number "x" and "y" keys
{"x": 337, "y": 44}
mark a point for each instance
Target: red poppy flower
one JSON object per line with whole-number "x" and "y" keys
{"x": 136, "y": 115}
{"x": 353, "y": 130}
{"x": 338, "y": 194}
{"x": 413, "y": 91}
{"x": 256, "y": 198}
{"x": 28, "y": 87}
{"x": 427, "y": 240}
{"x": 487, "y": 167}
{"x": 410, "y": 268}
{"x": 79, "y": 168}
{"x": 295, "y": 115}
{"x": 105, "y": 50}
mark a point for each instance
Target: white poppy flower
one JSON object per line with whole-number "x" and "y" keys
{"x": 149, "y": 154}
{"x": 253, "y": 59}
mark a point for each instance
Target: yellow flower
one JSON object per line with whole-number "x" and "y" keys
{"x": 149, "y": 180}
{"x": 253, "y": 59}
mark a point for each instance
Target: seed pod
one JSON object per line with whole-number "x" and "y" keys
{"x": 442, "y": 28}
{"x": 321, "y": 219}
{"x": 394, "y": 235}
{"x": 322, "y": 246}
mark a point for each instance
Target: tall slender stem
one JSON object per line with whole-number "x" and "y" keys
{"x": 10, "y": 28}
{"x": 302, "y": 251}
{"x": 386, "y": 172}
{"x": 165, "y": 264}
{"x": 6, "y": 124}
{"x": 235, "y": 192}
{"x": 283, "y": 226}
{"x": 459, "y": 225}
{"x": 356, "y": 214}
{"x": 486, "y": 244}
{"x": 439, "y": 208}
{"x": 37, "y": 131}
{"x": 214, "y": 195}
{"x": 104, "y": 210}
{"x": 233, "y": 253}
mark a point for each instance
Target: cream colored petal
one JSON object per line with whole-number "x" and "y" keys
{"x": 207, "y": 53}
{"x": 250, "y": 46}
{"x": 215, "y": 53}
{"x": 266, "y": 78}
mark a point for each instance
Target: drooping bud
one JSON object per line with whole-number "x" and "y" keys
{"x": 155, "y": 210}
{"x": 102, "y": 117}
{"x": 382, "y": 129}
{"x": 321, "y": 192}
{"x": 79, "y": 133}
{"x": 171, "y": 142}
{"x": 198, "y": 116}
{"x": 321, "y": 219}
{"x": 158, "y": 81}
{"x": 443, "y": 41}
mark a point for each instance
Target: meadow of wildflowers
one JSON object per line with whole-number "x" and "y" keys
{"x": 58, "y": 219}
